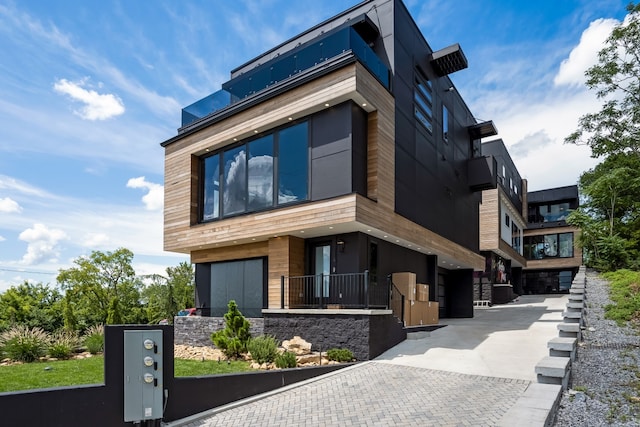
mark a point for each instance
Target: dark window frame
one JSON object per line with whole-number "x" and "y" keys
{"x": 275, "y": 174}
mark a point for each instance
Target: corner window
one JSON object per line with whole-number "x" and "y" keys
{"x": 549, "y": 246}
{"x": 211, "y": 187}
{"x": 293, "y": 164}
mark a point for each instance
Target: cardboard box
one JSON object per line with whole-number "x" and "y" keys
{"x": 406, "y": 284}
{"x": 432, "y": 313}
{"x": 422, "y": 292}
{"x": 419, "y": 313}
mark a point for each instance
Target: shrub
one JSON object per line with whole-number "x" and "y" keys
{"x": 233, "y": 339}
{"x": 263, "y": 349}
{"x": 63, "y": 344}
{"x": 93, "y": 339}
{"x": 340, "y": 354}
{"x": 23, "y": 344}
{"x": 286, "y": 360}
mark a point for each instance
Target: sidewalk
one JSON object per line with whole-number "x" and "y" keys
{"x": 476, "y": 371}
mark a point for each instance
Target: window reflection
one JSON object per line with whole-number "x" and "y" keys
{"x": 549, "y": 246}
{"x": 293, "y": 164}
{"x": 235, "y": 181}
{"x": 260, "y": 175}
{"x": 211, "y": 208}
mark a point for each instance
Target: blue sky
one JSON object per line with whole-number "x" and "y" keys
{"x": 88, "y": 90}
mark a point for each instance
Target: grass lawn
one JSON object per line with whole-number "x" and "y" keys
{"x": 91, "y": 371}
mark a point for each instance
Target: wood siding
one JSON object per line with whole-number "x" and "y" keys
{"x": 489, "y": 220}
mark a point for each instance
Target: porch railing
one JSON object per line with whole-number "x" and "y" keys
{"x": 326, "y": 291}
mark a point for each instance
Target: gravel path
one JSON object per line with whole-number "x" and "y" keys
{"x": 605, "y": 378}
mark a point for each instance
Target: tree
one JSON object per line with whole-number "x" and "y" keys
{"x": 164, "y": 296}
{"x": 609, "y": 217}
{"x": 32, "y": 305}
{"x": 96, "y": 281}
{"x": 233, "y": 339}
{"x": 616, "y": 80}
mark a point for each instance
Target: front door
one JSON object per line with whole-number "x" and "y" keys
{"x": 322, "y": 271}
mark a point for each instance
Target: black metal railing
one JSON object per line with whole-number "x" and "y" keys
{"x": 396, "y": 301}
{"x": 325, "y": 291}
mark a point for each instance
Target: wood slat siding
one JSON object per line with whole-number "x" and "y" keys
{"x": 230, "y": 253}
{"x": 489, "y": 220}
{"x": 286, "y": 258}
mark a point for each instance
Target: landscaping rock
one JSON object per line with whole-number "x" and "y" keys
{"x": 297, "y": 345}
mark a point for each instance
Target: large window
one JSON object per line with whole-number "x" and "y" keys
{"x": 243, "y": 178}
{"x": 549, "y": 246}
{"x": 445, "y": 124}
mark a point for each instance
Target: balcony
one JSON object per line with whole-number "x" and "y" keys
{"x": 287, "y": 66}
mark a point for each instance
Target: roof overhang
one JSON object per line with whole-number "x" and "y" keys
{"x": 448, "y": 60}
{"x": 482, "y": 130}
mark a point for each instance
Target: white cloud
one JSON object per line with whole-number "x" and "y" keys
{"x": 9, "y": 205}
{"x": 585, "y": 54}
{"x": 97, "y": 106}
{"x": 154, "y": 199}
{"x": 43, "y": 243}
{"x": 2, "y": 239}
{"x": 96, "y": 240}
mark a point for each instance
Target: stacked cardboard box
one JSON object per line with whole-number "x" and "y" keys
{"x": 422, "y": 292}
{"x": 406, "y": 284}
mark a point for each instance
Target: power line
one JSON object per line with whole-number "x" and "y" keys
{"x": 14, "y": 270}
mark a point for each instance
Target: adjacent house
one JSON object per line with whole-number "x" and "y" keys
{"x": 502, "y": 224}
{"x": 553, "y": 257}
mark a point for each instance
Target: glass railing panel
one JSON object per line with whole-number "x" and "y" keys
{"x": 287, "y": 66}
{"x": 283, "y": 69}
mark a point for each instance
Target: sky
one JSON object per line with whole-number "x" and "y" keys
{"x": 89, "y": 90}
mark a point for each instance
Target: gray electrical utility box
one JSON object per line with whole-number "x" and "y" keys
{"x": 143, "y": 375}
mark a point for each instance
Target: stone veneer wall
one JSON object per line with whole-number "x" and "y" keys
{"x": 482, "y": 292}
{"x": 196, "y": 330}
{"x": 367, "y": 336}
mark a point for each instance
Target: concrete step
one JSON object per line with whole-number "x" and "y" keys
{"x": 569, "y": 330}
{"x": 553, "y": 370}
{"x": 575, "y": 305}
{"x": 563, "y": 347}
{"x": 573, "y": 290}
{"x": 576, "y": 297}
{"x": 418, "y": 335}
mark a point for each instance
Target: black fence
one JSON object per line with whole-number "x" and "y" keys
{"x": 103, "y": 404}
{"x": 326, "y": 291}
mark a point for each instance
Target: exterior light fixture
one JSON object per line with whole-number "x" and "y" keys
{"x": 341, "y": 244}
{"x": 326, "y": 105}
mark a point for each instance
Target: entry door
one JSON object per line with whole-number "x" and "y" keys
{"x": 322, "y": 270}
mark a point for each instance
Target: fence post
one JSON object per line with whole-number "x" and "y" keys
{"x": 282, "y": 292}
{"x": 366, "y": 289}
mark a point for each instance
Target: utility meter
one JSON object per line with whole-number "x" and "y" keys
{"x": 143, "y": 375}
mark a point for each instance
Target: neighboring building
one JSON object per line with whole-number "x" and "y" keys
{"x": 502, "y": 224}
{"x": 550, "y": 244}
{"x": 324, "y": 165}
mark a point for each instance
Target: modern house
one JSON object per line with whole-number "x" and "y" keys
{"x": 553, "y": 257}
{"x": 323, "y": 166}
{"x": 502, "y": 224}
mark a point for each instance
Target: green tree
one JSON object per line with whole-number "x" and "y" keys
{"x": 96, "y": 280}
{"x": 609, "y": 217}
{"x": 31, "y": 305}
{"x": 616, "y": 80}
{"x": 233, "y": 339}
{"x": 164, "y": 296}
